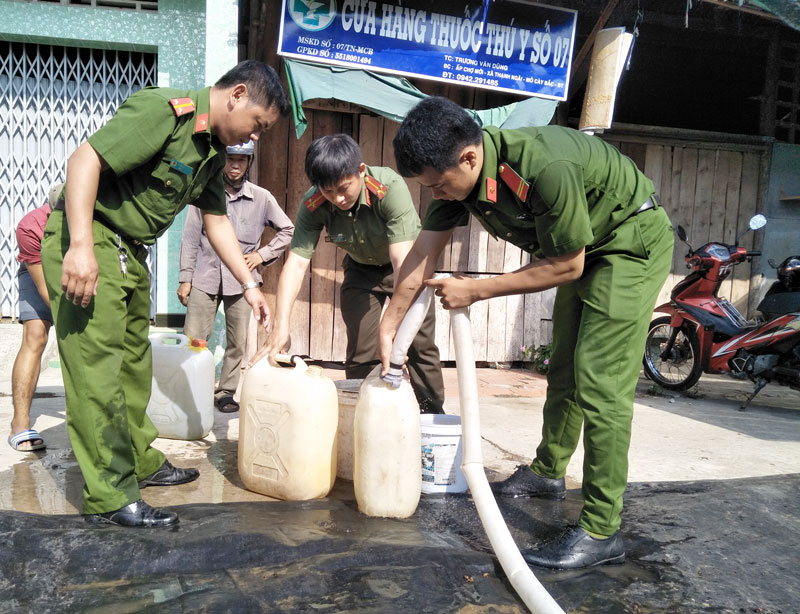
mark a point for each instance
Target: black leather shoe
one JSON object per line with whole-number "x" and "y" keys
{"x": 167, "y": 475}
{"x": 576, "y": 549}
{"x": 137, "y": 514}
{"x": 525, "y": 483}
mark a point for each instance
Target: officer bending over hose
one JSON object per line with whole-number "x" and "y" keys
{"x": 590, "y": 218}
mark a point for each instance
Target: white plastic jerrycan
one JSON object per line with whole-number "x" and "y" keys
{"x": 287, "y": 430}
{"x": 386, "y": 464}
{"x": 181, "y": 402}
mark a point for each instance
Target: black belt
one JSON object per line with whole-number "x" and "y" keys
{"x": 59, "y": 206}
{"x": 648, "y": 204}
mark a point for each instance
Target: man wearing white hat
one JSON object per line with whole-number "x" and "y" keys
{"x": 205, "y": 281}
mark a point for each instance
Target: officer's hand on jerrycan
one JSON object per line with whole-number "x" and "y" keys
{"x": 258, "y": 302}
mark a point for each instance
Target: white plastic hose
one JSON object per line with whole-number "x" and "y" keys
{"x": 529, "y": 589}
{"x": 406, "y": 332}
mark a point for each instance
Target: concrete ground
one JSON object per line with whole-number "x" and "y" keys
{"x": 691, "y": 437}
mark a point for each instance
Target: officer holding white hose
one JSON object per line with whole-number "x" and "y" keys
{"x": 589, "y": 216}
{"x": 368, "y": 212}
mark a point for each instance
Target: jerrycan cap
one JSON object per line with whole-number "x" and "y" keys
{"x": 314, "y": 371}
{"x": 198, "y": 343}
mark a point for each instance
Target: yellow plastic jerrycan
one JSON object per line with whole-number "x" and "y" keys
{"x": 387, "y": 471}
{"x": 287, "y": 430}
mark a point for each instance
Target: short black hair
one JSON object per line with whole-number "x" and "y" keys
{"x": 331, "y": 158}
{"x": 264, "y": 86}
{"x": 433, "y": 135}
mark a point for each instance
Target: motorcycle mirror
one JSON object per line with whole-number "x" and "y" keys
{"x": 756, "y": 222}
{"x": 681, "y": 232}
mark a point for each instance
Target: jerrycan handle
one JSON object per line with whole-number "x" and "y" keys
{"x": 292, "y": 359}
{"x": 160, "y": 338}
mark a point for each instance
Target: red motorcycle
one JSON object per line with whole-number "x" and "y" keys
{"x": 704, "y": 333}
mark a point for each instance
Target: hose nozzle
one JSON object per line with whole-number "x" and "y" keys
{"x": 394, "y": 376}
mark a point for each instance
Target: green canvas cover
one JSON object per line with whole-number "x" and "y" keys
{"x": 787, "y": 10}
{"x": 392, "y": 96}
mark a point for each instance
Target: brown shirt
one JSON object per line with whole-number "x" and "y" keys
{"x": 250, "y": 211}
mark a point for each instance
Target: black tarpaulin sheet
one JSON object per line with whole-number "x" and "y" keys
{"x": 697, "y": 547}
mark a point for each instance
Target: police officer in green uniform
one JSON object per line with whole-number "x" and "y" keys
{"x": 589, "y": 216}
{"x": 368, "y": 212}
{"x": 163, "y": 148}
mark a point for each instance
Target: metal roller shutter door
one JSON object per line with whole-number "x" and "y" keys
{"x": 51, "y": 99}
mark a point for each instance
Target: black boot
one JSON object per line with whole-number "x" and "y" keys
{"x": 576, "y": 549}
{"x": 136, "y": 514}
{"x": 167, "y": 475}
{"x": 525, "y": 483}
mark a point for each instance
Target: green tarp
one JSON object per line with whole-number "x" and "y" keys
{"x": 392, "y": 97}
{"x": 787, "y": 10}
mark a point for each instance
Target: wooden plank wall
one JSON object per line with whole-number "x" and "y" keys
{"x": 711, "y": 189}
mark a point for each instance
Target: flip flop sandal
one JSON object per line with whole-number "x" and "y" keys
{"x": 30, "y": 435}
{"x": 226, "y": 404}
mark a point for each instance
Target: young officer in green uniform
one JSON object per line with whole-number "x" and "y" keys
{"x": 163, "y": 148}
{"x": 368, "y": 212}
{"x": 588, "y": 215}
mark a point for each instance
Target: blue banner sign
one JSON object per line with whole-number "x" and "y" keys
{"x": 507, "y": 45}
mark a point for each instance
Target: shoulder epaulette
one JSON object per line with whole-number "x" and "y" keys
{"x": 182, "y": 106}
{"x": 517, "y": 184}
{"x": 491, "y": 189}
{"x": 314, "y": 201}
{"x": 201, "y": 122}
{"x": 375, "y": 186}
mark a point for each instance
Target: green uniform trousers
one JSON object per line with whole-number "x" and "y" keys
{"x": 364, "y": 290}
{"x": 107, "y": 368}
{"x": 599, "y": 327}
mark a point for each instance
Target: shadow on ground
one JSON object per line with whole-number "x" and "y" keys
{"x": 693, "y": 547}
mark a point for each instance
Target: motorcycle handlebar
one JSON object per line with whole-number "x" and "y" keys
{"x": 692, "y": 260}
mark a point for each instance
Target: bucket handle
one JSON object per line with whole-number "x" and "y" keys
{"x": 161, "y": 337}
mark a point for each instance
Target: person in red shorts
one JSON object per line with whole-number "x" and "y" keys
{"x": 34, "y": 313}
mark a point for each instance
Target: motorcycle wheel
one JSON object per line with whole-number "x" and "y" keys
{"x": 681, "y": 369}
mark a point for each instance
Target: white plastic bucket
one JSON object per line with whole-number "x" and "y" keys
{"x": 181, "y": 404}
{"x": 441, "y": 454}
{"x": 347, "y": 391}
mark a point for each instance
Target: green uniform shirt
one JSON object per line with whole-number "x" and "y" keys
{"x": 384, "y": 214}
{"x": 163, "y": 156}
{"x": 549, "y": 190}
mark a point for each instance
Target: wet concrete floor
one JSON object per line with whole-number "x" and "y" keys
{"x": 711, "y": 521}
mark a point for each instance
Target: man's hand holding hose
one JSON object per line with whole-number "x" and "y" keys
{"x": 417, "y": 266}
